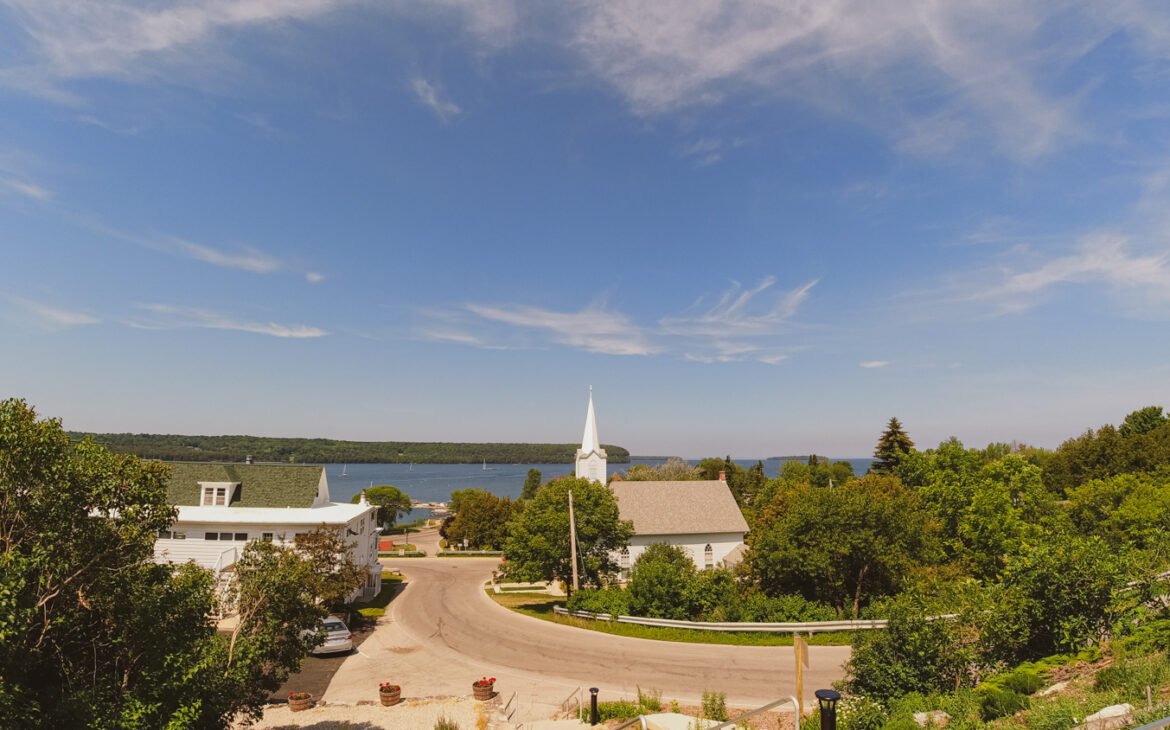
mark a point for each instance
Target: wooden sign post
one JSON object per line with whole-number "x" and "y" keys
{"x": 800, "y": 650}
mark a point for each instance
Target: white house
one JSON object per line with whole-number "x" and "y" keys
{"x": 223, "y": 506}
{"x": 701, "y": 517}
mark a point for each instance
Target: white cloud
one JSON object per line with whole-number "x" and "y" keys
{"x": 594, "y": 329}
{"x": 741, "y": 325}
{"x": 1102, "y": 258}
{"x": 732, "y": 314}
{"x": 53, "y": 317}
{"x": 248, "y": 260}
{"x": 25, "y": 189}
{"x": 429, "y": 95}
{"x": 874, "y": 364}
{"x": 166, "y": 316}
{"x": 460, "y": 338}
{"x": 314, "y": 278}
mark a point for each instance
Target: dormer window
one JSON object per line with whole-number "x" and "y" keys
{"x": 216, "y": 494}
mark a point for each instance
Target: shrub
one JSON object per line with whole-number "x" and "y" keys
{"x": 857, "y": 712}
{"x": 618, "y": 710}
{"x": 997, "y": 702}
{"x": 650, "y": 700}
{"x": 1023, "y": 681}
{"x": 613, "y": 601}
{"x": 715, "y": 705}
{"x": 446, "y": 723}
{"x": 1132, "y": 676}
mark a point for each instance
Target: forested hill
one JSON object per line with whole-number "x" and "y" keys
{"x": 328, "y": 451}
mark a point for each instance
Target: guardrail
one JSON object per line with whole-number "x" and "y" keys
{"x": 804, "y": 627}
{"x": 469, "y": 553}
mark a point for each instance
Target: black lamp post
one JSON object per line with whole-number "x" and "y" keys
{"x": 594, "y": 716}
{"x": 827, "y": 700}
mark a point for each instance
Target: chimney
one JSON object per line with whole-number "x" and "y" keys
{"x": 722, "y": 475}
{"x": 248, "y": 459}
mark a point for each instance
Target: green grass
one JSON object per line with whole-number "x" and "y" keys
{"x": 408, "y": 554}
{"x": 469, "y": 554}
{"x": 540, "y": 605}
{"x": 391, "y": 586}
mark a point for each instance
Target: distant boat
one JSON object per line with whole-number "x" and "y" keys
{"x": 411, "y": 466}
{"x": 343, "y": 468}
{"x": 485, "y": 465}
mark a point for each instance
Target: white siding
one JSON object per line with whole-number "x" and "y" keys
{"x": 722, "y": 543}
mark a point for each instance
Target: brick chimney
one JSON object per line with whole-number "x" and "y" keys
{"x": 722, "y": 476}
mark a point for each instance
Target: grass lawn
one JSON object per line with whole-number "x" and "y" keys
{"x": 540, "y": 605}
{"x": 391, "y": 586}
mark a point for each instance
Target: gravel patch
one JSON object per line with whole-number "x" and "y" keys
{"x": 410, "y": 714}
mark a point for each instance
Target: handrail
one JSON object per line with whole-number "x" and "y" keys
{"x": 639, "y": 718}
{"x": 810, "y": 627}
{"x": 1156, "y": 724}
{"x": 574, "y": 695}
{"x": 739, "y": 718}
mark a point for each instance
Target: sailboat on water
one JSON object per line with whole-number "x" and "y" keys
{"x": 343, "y": 468}
{"x": 485, "y": 466}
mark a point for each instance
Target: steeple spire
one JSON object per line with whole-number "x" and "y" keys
{"x": 590, "y": 442}
{"x": 591, "y": 457}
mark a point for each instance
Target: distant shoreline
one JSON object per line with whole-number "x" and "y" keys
{"x": 177, "y": 447}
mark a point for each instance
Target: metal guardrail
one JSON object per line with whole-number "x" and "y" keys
{"x": 809, "y": 627}
{"x": 1156, "y": 724}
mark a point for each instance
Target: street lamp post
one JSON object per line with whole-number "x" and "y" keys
{"x": 827, "y": 700}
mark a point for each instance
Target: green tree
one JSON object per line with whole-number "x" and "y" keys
{"x": 334, "y": 574}
{"x": 537, "y": 547}
{"x": 391, "y": 502}
{"x": 1142, "y": 421}
{"x": 891, "y": 448}
{"x": 673, "y": 469}
{"x": 913, "y": 654}
{"x": 842, "y": 545}
{"x": 531, "y": 484}
{"x": 94, "y": 633}
{"x": 660, "y": 582}
{"x": 482, "y": 520}
{"x": 457, "y": 497}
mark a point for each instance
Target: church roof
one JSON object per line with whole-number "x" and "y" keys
{"x": 675, "y": 508}
{"x": 590, "y": 442}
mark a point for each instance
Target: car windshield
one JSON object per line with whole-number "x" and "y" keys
{"x": 334, "y": 626}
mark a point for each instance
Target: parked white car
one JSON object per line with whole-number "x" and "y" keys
{"x": 338, "y": 637}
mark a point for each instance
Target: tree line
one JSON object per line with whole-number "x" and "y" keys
{"x": 172, "y": 447}
{"x": 95, "y": 634}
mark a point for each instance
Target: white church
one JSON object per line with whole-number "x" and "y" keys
{"x": 701, "y": 517}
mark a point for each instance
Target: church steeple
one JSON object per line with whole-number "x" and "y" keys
{"x": 591, "y": 458}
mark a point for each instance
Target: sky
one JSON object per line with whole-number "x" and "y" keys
{"x": 754, "y": 228}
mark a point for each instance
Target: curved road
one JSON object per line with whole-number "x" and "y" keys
{"x": 445, "y": 631}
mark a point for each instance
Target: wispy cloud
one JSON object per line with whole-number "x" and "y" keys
{"x": 874, "y": 364}
{"x": 740, "y": 325}
{"x": 594, "y": 329}
{"x": 734, "y": 313}
{"x": 52, "y": 317}
{"x": 24, "y": 188}
{"x": 314, "y": 277}
{"x": 109, "y": 39}
{"x": 1102, "y": 258}
{"x": 247, "y": 260}
{"x": 430, "y": 96}
{"x": 166, "y": 316}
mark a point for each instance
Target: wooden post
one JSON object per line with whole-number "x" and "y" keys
{"x": 800, "y": 650}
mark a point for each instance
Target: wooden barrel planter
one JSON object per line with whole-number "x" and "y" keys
{"x": 390, "y": 695}
{"x": 298, "y": 701}
{"x": 482, "y": 690}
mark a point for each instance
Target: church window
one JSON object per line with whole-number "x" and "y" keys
{"x": 624, "y": 563}
{"x": 708, "y": 557}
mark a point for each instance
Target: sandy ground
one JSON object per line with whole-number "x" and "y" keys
{"x": 410, "y": 714}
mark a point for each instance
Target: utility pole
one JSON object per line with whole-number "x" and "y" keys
{"x": 573, "y": 541}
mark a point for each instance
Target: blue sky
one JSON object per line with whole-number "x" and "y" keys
{"x": 754, "y": 228}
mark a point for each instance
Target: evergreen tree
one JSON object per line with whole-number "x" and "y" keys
{"x": 531, "y": 484}
{"x": 894, "y": 444}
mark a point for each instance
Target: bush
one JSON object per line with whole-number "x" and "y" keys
{"x": 650, "y": 700}
{"x": 619, "y": 710}
{"x": 613, "y": 601}
{"x": 715, "y": 705}
{"x": 788, "y": 607}
{"x": 1023, "y": 681}
{"x": 446, "y": 723}
{"x": 997, "y": 703}
{"x": 1132, "y": 676}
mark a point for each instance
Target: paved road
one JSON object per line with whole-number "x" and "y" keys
{"x": 444, "y": 631}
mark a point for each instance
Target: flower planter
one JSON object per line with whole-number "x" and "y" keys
{"x": 390, "y": 696}
{"x": 482, "y": 691}
{"x": 296, "y": 704}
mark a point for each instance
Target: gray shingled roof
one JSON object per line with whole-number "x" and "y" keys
{"x": 261, "y": 485}
{"x": 673, "y": 508}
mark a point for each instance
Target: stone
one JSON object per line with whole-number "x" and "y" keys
{"x": 934, "y": 718}
{"x": 1108, "y": 718}
{"x": 1058, "y": 687}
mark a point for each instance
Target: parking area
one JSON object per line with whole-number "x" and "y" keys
{"x": 317, "y": 671}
